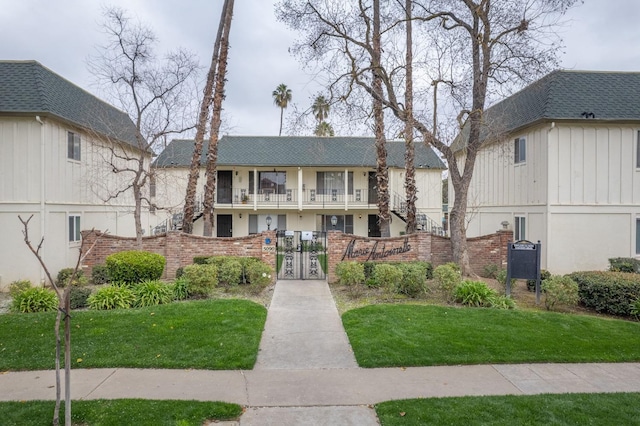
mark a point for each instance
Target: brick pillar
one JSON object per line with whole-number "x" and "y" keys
{"x": 268, "y": 250}
{"x": 172, "y": 249}
{"x": 505, "y": 236}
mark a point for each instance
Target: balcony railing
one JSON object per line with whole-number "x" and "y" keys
{"x": 291, "y": 197}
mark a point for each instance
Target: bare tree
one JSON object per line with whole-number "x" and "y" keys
{"x": 64, "y": 307}
{"x": 410, "y": 170}
{"x": 218, "y": 97}
{"x": 154, "y": 94}
{"x": 497, "y": 45}
{"x": 201, "y": 128}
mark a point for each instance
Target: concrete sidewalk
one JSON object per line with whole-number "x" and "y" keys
{"x": 306, "y": 373}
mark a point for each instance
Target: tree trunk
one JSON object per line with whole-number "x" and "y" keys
{"x": 281, "y": 115}
{"x": 212, "y": 154}
{"x": 137, "y": 213}
{"x": 207, "y": 99}
{"x": 410, "y": 170}
{"x": 382, "y": 173}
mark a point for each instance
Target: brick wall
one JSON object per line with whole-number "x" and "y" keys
{"x": 179, "y": 248}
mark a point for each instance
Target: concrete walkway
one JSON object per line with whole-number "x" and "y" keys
{"x": 306, "y": 374}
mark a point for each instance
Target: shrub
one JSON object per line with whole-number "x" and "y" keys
{"x": 200, "y": 260}
{"x": 635, "y": 308}
{"x": 180, "y": 289}
{"x": 112, "y": 297}
{"x": 624, "y": 264}
{"x": 229, "y": 271}
{"x": 179, "y": 272}
{"x": 149, "y": 293}
{"x": 608, "y": 292}
{"x": 34, "y": 299}
{"x": 246, "y": 263}
{"x": 350, "y": 273}
{"x": 474, "y": 293}
{"x": 100, "y": 274}
{"x": 414, "y": 279}
{"x": 17, "y": 287}
{"x": 135, "y": 266}
{"x": 201, "y": 279}
{"x": 369, "y": 269}
{"x": 501, "y": 277}
{"x": 544, "y": 275}
{"x": 560, "y": 291}
{"x": 259, "y": 276}
{"x": 64, "y": 275}
{"x": 448, "y": 277}
{"x": 78, "y": 297}
{"x": 499, "y": 301}
{"x": 386, "y": 276}
{"x": 490, "y": 271}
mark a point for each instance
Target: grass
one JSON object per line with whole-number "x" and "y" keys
{"x": 415, "y": 335}
{"x": 114, "y": 412}
{"x": 207, "y": 334}
{"x": 563, "y": 409}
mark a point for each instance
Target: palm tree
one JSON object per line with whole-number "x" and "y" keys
{"x": 320, "y": 108}
{"x": 324, "y": 129}
{"x": 281, "y": 97}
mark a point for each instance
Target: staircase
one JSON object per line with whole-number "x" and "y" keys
{"x": 424, "y": 222}
{"x": 174, "y": 223}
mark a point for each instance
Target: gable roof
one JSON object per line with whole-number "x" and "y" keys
{"x": 297, "y": 151}
{"x": 27, "y": 87}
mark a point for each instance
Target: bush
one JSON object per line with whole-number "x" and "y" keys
{"x": 624, "y": 264}
{"x": 501, "y": 277}
{"x": 502, "y": 302}
{"x": 135, "y": 266}
{"x": 259, "y": 276}
{"x": 34, "y": 299}
{"x": 350, "y": 273}
{"x": 414, "y": 279}
{"x": 201, "y": 260}
{"x": 635, "y": 308}
{"x": 150, "y": 293}
{"x": 179, "y": 272}
{"x": 560, "y": 291}
{"x": 17, "y": 287}
{"x": 544, "y": 275}
{"x": 100, "y": 274}
{"x": 78, "y": 297}
{"x": 490, "y": 271}
{"x": 112, "y": 297}
{"x": 369, "y": 269}
{"x": 180, "y": 289}
{"x": 201, "y": 279}
{"x": 448, "y": 277}
{"x": 474, "y": 293}
{"x": 64, "y": 275}
{"x": 608, "y": 292}
{"x": 386, "y": 276}
{"x": 229, "y": 270}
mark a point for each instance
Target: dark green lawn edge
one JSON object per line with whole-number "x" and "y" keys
{"x": 419, "y": 335}
{"x": 208, "y": 334}
{"x": 117, "y": 412}
{"x": 618, "y": 409}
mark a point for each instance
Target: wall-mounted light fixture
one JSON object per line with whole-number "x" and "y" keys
{"x": 359, "y": 216}
{"x": 334, "y": 221}
{"x": 240, "y": 215}
{"x": 268, "y": 223}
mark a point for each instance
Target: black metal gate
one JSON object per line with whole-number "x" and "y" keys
{"x": 302, "y": 255}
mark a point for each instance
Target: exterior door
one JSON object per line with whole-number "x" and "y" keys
{"x": 225, "y": 186}
{"x": 374, "y": 226}
{"x": 224, "y": 225}
{"x": 301, "y": 255}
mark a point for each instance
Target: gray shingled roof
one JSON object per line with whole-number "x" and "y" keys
{"x": 567, "y": 95}
{"x": 297, "y": 151}
{"x": 27, "y": 87}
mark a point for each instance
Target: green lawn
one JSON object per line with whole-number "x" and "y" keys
{"x": 118, "y": 412}
{"x": 207, "y": 334}
{"x": 418, "y": 335}
{"x": 618, "y": 409}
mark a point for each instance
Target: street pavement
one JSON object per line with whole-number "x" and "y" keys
{"x": 306, "y": 374}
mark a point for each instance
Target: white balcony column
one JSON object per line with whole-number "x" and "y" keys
{"x": 346, "y": 189}
{"x": 256, "y": 179}
{"x": 300, "y": 189}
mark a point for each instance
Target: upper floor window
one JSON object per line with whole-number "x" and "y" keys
{"x": 638, "y": 151}
{"x": 74, "y": 228}
{"x": 328, "y": 182}
{"x": 520, "y": 149}
{"x": 520, "y": 228}
{"x": 269, "y": 182}
{"x": 73, "y": 146}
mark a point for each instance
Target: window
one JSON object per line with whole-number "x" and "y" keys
{"x": 74, "y": 228}
{"x": 258, "y": 223}
{"x": 520, "y": 149}
{"x": 638, "y": 151}
{"x": 520, "y": 228}
{"x": 73, "y": 146}
{"x": 637, "y": 235}
{"x": 152, "y": 185}
{"x": 269, "y": 182}
{"x": 329, "y": 183}
{"x": 344, "y": 223}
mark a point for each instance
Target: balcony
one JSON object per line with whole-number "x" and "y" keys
{"x": 309, "y": 199}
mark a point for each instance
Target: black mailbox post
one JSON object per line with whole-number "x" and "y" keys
{"x": 523, "y": 261}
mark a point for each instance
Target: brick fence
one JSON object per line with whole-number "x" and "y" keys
{"x": 179, "y": 248}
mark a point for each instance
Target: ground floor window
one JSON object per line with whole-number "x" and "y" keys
{"x": 74, "y": 228}
{"x": 637, "y": 235}
{"x": 258, "y": 222}
{"x": 344, "y": 223}
{"x": 520, "y": 227}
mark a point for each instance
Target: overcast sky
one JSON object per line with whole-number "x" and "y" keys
{"x": 60, "y": 34}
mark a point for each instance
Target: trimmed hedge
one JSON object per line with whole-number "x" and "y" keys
{"x": 624, "y": 264}
{"x": 608, "y": 292}
{"x": 135, "y": 266}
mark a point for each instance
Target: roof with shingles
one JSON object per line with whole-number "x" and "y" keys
{"x": 567, "y": 95}
{"x": 27, "y": 87}
{"x": 297, "y": 151}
